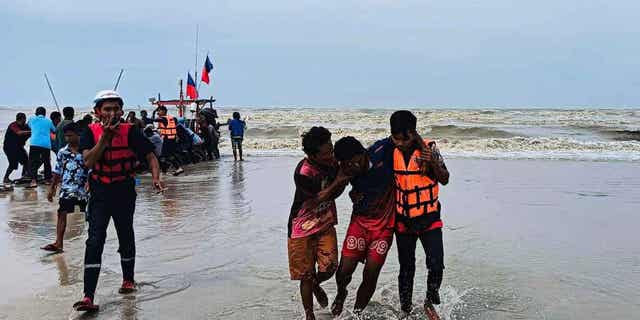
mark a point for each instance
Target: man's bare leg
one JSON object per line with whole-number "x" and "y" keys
{"x": 343, "y": 278}
{"x": 60, "y": 229}
{"x": 306, "y": 292}
{"x": 368, "y": 286}
{"x": 318, "y": 292}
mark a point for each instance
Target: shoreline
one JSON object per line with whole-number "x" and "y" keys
{"x": 214, "y": 245}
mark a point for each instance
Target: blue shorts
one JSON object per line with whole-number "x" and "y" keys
{"x": 236, "y": 142}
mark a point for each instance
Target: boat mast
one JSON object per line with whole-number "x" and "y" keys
{"x": 196, "y": 65}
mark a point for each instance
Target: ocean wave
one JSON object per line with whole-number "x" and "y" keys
{"x": 623, "y": 135}
{"x": 593, "y": 134}
{"x": 457, "y": 131}
{"x": 494, "y": 148}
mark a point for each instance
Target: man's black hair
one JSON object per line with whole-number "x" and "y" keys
{"x": 73, "y": 126}
{"x": 314, "y": 138}
{"x": 143, "y": 112}
{"x": 403, "y": 121}
{"x": 348, "y": 147}
{"x": 41, "y": 111}
{"x": 236, "y": 115}
{"x": 55, "y": 115}
{"x": 68, "y": 113}
{"x": 161, "y": 107}
{"x": 21, "y": 116}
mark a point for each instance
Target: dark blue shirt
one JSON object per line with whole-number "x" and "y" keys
{"x": 237, "y": 128}
{"x": 376, "y": 183}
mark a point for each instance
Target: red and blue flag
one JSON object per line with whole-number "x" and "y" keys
{"x": 206, "y": 69}
{"x": 192, "y": 92}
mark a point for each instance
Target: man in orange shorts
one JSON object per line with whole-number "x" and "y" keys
{"x": 370, "y": 232}
{"x": 311, "y": 232}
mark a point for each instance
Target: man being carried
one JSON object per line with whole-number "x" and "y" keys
{"x": 311, "y": 232}
{"x": 69, "y": 170}
{"x": 370, "y": 233}
{"x": 111, "y": 149}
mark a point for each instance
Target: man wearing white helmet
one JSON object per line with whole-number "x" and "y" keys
{"x": 111, "y": 149}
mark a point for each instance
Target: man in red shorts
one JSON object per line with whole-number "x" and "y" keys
{"x": 370, "y": 233}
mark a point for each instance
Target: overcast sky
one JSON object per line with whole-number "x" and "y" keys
{"x": 485, "y": 53}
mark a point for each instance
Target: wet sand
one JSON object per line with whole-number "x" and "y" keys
{"x": 526, "y": 239}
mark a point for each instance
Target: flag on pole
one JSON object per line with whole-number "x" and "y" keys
{"x": 206, "y": 69}
{"x": 192, "y": 92}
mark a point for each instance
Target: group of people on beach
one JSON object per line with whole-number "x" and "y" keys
{"x": 97, "y": 159}
{"x": 176, "y": 144}
{"x": 395, "y": 186}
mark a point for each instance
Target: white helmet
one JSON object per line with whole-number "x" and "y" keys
{"x": 107, "y": 94}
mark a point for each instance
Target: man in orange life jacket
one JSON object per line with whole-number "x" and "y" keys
{"x": 111, "y": 149}
{"x": 418, "y": 169}
{"x": 168, "y": 129}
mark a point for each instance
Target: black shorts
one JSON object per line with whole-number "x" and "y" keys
{"x": 68, "y": 205}
{"x": 16, "y": 156}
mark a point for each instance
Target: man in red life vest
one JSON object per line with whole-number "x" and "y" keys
{"x": 111, "y": 149}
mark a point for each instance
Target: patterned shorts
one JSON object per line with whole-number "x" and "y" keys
{"x": 363, "y": 244}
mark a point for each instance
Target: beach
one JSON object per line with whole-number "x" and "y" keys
{"x": 524, "y": 239}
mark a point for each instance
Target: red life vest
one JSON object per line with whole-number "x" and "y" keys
{"x": 118, "y": 161}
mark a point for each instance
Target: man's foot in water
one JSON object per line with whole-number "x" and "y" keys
{"x": 309, "y": 315}
{"x": 178, "y": 171}
{"x": 86, "y": 304}
{"x": 52, "y": 247}
{"x": 127, "y": 287}
{"x": 430, "y": 311}
{"x": 338, "y": 303}
{"x": 321, "y": 296}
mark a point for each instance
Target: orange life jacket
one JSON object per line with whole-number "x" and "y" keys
{"x": 118, "y": 161}
{"x": 416, "y": 193}
{"x": 168, "y": 131}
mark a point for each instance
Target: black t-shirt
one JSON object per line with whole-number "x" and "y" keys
{"x": 140, "y": 145}
{"x": 11, "y": 138}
